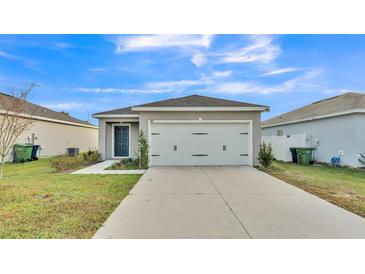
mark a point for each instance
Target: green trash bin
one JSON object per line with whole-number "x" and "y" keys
{"x": 22, "y": 153}
{"x": 305, "y": 155}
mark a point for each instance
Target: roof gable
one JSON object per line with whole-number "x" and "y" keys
{"x": 191, "y": 101}
{"x": 327, "y": 107}
{"x": 198, "y": 101}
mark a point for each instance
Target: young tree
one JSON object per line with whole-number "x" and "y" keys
{"x": 266, "y": 155}
{"x": 14, "y": 120}
{"x": 142, "y": 150}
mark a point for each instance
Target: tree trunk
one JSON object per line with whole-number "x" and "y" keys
{"x": 2, "y": 166}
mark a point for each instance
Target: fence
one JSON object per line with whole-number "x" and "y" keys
{"x": 281, "y": 144}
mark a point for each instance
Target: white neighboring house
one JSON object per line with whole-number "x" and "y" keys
{"x": 54, "y": 131}
{"x": 336, "y": 126}
{"x": 190, "y": 130}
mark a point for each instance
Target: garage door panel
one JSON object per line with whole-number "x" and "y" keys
{"x": 200, "y": 144}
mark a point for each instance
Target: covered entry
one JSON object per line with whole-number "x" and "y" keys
{"x": 195, "y": 142}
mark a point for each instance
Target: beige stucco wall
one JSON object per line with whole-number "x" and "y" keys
{"x": 105, "y": 136}
{"x": 254, "y": 116}
{"x": 54, "y": 138}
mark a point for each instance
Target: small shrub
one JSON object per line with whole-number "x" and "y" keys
{"x": 266, "y": 156}
{"x": 142, "y": 150}
{"x": 66, "y": 163}
{"x": 125, "y": 164}
{"x": 130, "y": 163}
{"x": 91, "y": 156}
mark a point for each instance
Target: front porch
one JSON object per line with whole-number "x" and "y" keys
{"x": 118, "y": 138}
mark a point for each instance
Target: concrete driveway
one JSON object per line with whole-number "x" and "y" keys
{"x": 225, "y": 202}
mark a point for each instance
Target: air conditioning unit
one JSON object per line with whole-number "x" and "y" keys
{"x": 72, "y": 151}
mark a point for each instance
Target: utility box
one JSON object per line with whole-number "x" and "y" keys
{"x": 72, "y": 151}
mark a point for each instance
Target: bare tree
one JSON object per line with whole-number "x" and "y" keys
{"x": 14, "y": 120}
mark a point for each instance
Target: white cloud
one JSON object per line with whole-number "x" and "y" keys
{"x": 27, "y": 62}
{"x": 165, "y": 86}
{"x": 67, "y": 106}
{"x": 261, "y": 50}
{"x": 150, "y": 42}
{"x": 299, "y": 83}
{"x": 199, "y": 59}
{"x": 350, "y": 90}
{"x": 8, "y": 56}
{"x": 237, "y": 88}
{"x": 221, "y": 74}
{"x": 342, "y": 91}
{"x": 125, "y": 91}
{"x": 216, "y": 83}
{"x": 281, "y": 71}
{"x": 97, "y": 69}
{"x": 183, "y": 84}
{"x": 63, "y": 45}
{"x": 173, "y": 85}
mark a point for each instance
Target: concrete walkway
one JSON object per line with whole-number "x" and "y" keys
{"x": 100, "y": 169}
{"x": 225, "y": 202}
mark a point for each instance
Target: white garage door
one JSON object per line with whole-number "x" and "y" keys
{"x": 215, "y": 143}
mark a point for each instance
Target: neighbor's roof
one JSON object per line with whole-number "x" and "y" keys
{"x": 187, "y": 101}
{"x": 40, "y": 112}
{"x": 341, "y": 104}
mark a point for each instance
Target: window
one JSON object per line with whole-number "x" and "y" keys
{"x": 279, "y": 132}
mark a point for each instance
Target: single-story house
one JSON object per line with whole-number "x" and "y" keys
{"x": 336, "y": 126}
{"x": 191, "y": 130}
{"x": 53, "y": 131}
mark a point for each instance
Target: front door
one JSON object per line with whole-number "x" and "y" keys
{"x": 121, "y": 141}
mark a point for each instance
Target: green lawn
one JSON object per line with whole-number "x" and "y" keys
{"x": 342, "y": 186}
{"x": 37, "y": 202}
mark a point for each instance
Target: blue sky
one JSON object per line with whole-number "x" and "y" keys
{"x": 84, "y": 74}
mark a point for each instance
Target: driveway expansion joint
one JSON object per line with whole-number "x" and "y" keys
{"x": 225, "y": 201}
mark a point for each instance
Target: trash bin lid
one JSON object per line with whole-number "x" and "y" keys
{"x": 23, "y": 145}
{"x": 305, "y": 148}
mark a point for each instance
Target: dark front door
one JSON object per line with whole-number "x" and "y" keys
{"x": 121, "y": 141}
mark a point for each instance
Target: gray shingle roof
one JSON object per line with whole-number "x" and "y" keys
{"x": 187, "y": 101}
{"x": 126, "y": 110}
{"x": 345, "y": 102}
{"x": 198, "y": 101}
{"x": 36, "y": 110}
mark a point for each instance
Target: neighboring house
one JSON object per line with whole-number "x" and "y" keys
{"x": 336, "y": 126}
{"x": 191, "y": 130}
{"x": 54, "y": 131}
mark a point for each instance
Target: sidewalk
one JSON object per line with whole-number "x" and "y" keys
{"x": 99, "y": 168}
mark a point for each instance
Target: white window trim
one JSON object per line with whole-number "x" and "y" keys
{"x": 201, "y": 121}
{"x": 249, "y": 122}
{"x": 121, "y": 121}
{"x": 149, "y": 141}
{"x": 115, "y": 115}
{"x": 129, "y": 141}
